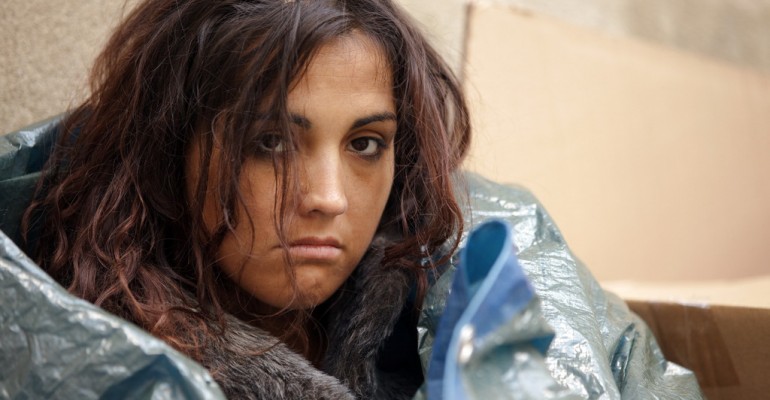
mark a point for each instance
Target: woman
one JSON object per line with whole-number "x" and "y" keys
{"x": 260, "y": 183}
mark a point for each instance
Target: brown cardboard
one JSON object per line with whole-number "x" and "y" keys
{"x": 653, "y": 161}
{"x": 725, "y": 346}
{"x": 751, "y": 292}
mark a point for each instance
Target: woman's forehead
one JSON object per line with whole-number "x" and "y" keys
{"x": 354, "y": 56}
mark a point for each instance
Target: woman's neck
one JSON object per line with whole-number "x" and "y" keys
{"x": 299, "y": 330}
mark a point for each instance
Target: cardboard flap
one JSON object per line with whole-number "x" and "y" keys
{"x": 725, "y": 346}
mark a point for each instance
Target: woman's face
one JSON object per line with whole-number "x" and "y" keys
{"x": 344, "y": 112}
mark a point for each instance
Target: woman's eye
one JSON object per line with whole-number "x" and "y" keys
{"x": 367, "y": 146}
{"x": 271, "y": 143}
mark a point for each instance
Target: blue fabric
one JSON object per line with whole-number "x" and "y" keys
{"x": 489, "y": 289}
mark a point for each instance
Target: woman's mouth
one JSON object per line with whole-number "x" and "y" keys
{"x": 315, "y": 249}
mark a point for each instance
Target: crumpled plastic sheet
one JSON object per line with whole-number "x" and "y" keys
{"x": 56, "y": 346}
{"x": 22, "y": 155}
{"x": 492, "y": 329}
{"x": 601, "y": 350}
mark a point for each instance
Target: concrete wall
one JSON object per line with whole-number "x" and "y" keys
{"x": 46, "y": 50}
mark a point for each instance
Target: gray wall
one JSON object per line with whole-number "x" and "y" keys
{"x": 46, "y": 49}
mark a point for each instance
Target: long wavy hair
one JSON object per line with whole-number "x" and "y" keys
{"x": 117, "y": 225}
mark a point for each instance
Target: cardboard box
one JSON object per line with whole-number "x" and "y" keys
{"x": 652, "y": 160}
{"x": 718, "y": 329}
{"x": 726, "y": 346}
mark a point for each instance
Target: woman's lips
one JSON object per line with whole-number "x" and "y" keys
{"x": 315, "y": 249}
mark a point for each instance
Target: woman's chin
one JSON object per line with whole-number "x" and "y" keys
{"x": 309, "y": 297}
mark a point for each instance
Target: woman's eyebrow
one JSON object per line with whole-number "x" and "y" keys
{"x": 295, "y": 119}
{"x": 385, "y": 116}
{"x": 303, "y": 122}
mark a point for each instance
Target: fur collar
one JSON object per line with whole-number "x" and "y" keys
{"x": 360, "y": 321}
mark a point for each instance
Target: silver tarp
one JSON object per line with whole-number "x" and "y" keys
{"x": 53, "y": 345}
{"x": 601, "y": 350}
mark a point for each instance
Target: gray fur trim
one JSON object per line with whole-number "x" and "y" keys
{"x": 249, "y": 363}
{"x": 246, "y": 370}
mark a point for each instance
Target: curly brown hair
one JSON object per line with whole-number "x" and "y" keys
{"x": 118, "y": 227}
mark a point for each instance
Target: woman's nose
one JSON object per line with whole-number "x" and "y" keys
{"x": 323, "y": 187}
